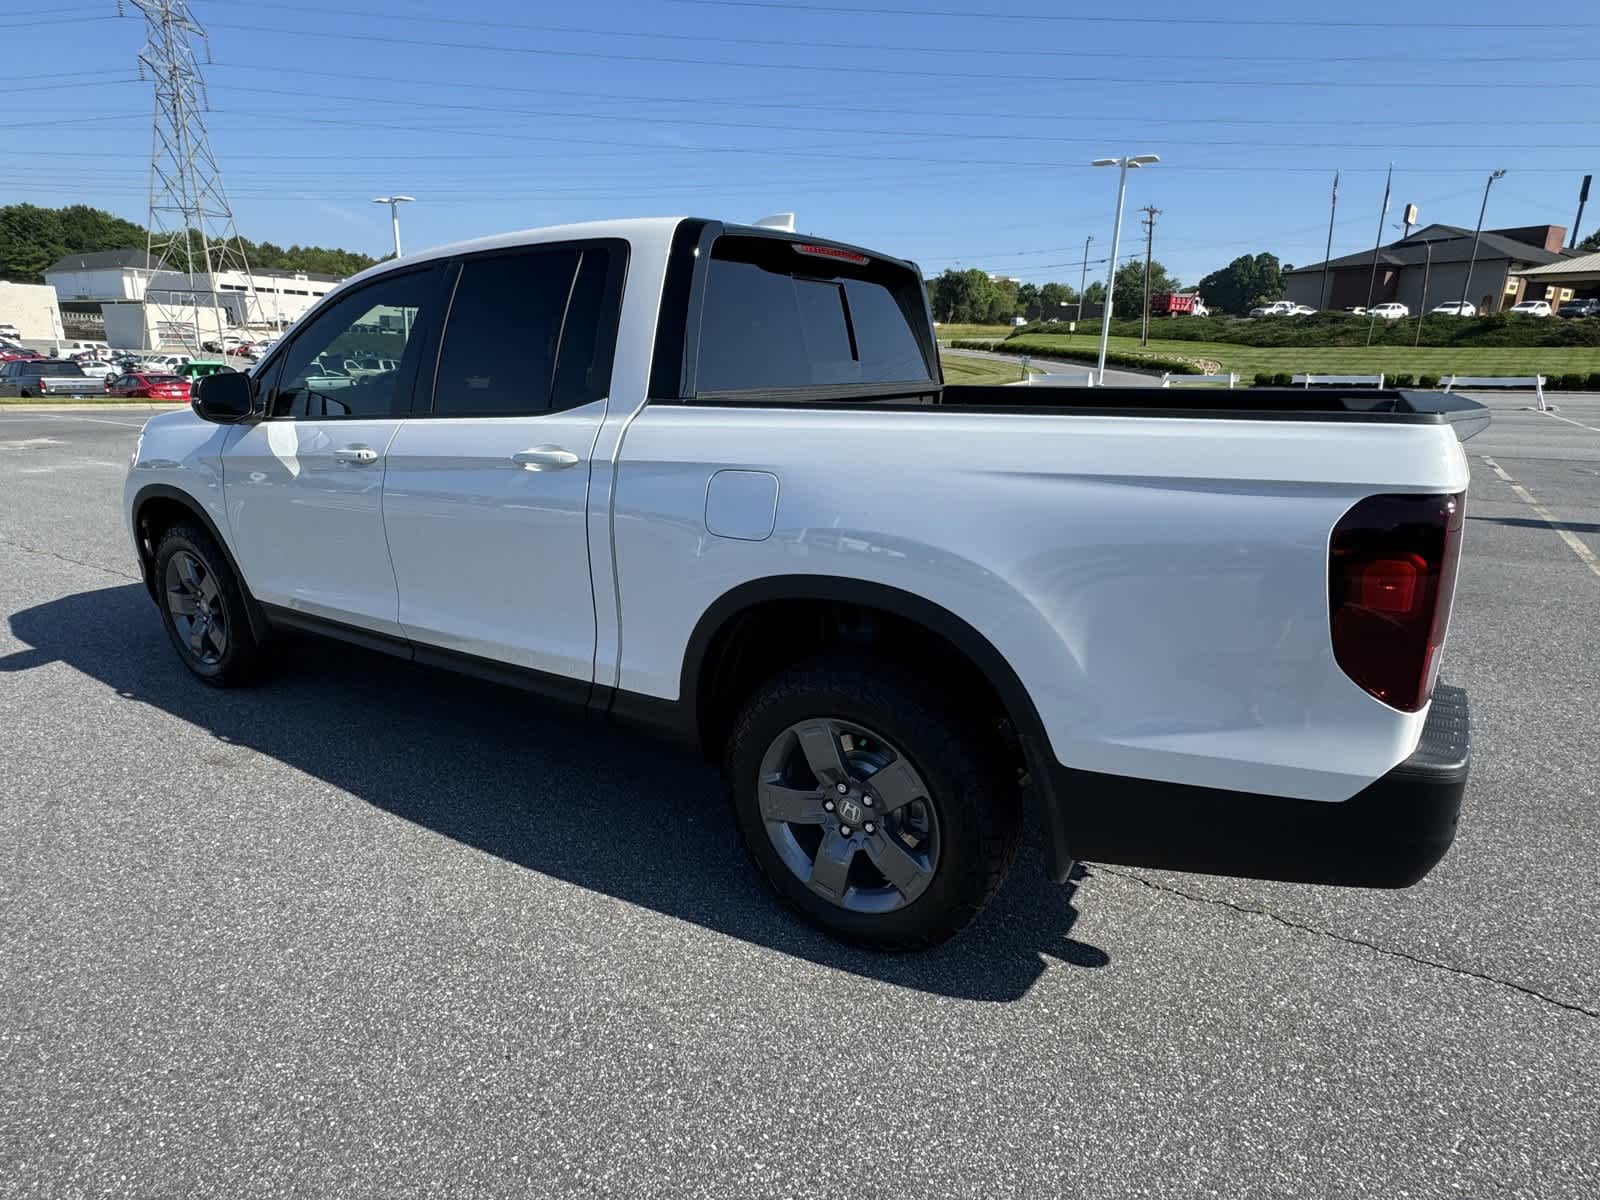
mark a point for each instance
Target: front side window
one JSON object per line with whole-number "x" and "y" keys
{"x": 779, "y": 316}
{"x": 382, "y": 322}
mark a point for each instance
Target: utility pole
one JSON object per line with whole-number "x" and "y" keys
{"x": 191, "y": 230}
{"x": 1327, "y": 257}
{"x": 1151, "y": 212}
{"x": 1083, "y": 280}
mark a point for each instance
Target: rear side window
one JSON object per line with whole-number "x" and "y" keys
{"x": 775, "y": 317}
{"x": 530, "y": 332}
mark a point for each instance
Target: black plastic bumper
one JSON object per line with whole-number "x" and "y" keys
{"x": 1388, "y": 835}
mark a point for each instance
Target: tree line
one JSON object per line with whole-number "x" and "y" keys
{"x": 32, "y": 238}
{"x": 974, "y": 297}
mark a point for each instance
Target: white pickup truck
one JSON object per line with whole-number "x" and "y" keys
{"x": 706, "y": 478}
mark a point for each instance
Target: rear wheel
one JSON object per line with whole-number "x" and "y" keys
{"x": 203, "y": 608}
{"x": 877, "y": 812}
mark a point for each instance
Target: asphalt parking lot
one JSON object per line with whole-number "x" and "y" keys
{"x": 369, "y": 930}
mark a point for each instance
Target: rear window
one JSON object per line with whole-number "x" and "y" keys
{"x": 775, "y": 317}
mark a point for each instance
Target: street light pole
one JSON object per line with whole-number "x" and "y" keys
{"x": 394, "y": 203}
{"x": 1125, "y": 163}
{"x": 1466, "y": 284}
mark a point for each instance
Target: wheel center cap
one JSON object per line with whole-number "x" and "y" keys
{"x": 849, "y": 811}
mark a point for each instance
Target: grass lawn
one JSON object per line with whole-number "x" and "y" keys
{"x": 976, "y": 371}
{"x": 1357, "y": 360}
{"x": 946, "y": 332}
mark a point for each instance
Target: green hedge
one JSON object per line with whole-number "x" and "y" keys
{"x": 1342, "y": 329}
{"x": 1089, "y": 354}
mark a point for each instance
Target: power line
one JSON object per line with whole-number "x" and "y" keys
{"x": 1078, "y": 18}
{"x": 899, "y": 72}
{"x": 702, "y": 38}
{"x": 413, "y": 81}
{"x": 1048, "y": 139}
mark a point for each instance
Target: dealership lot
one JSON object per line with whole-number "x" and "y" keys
{"x": 372, "y": 930}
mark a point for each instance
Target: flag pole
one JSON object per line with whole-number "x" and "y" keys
{"x": 1377, "y": 248}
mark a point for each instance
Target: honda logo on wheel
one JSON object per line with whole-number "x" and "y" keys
{"x": 850, "y": 811}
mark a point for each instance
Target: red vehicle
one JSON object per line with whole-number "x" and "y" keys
{"x": 142, "y": 385}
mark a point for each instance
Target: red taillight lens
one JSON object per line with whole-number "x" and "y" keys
{"x": 1392, "y": 577}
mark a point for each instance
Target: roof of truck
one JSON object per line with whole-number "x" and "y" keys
{"x": 631, "y": 229}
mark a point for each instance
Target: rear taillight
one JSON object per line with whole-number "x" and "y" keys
{"x": 1391, "y": 579}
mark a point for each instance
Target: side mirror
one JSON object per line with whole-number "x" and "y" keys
{"x": 228, "y": 398}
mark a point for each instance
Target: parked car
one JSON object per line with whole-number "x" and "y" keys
{"x": 1532, "y": 308}
{"x": 1302, "y": 310}
{"x": 143, "y": 385}
{"x": 198, "y": 368}
{"x": 96, "y": 368}
{"x": 42, "y": 377}
{"x": 1355, "y": 310}
{"x": 630, "y": 493}
{"x": 1455, "y": 308}
{"x": 1389, "y": 311}
{"x": 1580, "y": 308}
{"x": 1278, "y": 308}
{"x": 163, "y": 363}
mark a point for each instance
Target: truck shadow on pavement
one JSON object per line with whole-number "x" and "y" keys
{"x": 569, "y": 797}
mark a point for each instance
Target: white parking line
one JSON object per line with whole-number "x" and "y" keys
{"x": 1585, "y": 555}
{"x": 75, "y": 417}
{"x": 1570, "y": 421}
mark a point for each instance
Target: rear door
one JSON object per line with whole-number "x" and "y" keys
{"x": 304, "y": 487}
{"x": 485, "y": 499}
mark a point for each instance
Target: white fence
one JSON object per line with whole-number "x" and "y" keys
{"x": 1307, "y": 381}
{"x": 1535, "y": 383}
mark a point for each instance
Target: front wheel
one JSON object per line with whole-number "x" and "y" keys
{"x": 876, "y": 811}
{"x": 203, "y": 608}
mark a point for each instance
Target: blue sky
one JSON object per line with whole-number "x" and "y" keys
{"x": 942, "y": 131}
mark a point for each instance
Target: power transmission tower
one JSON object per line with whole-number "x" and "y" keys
{"x": 1151, "y": 212}
{"x": 191, "y": 230}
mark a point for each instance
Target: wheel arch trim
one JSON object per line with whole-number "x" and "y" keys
{"x": 165, "y": 491}
{"x": 935, "y": 618}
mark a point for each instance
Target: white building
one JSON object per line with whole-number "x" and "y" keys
{"x": 122, "y": 281}
{"x": 32, "y": 308}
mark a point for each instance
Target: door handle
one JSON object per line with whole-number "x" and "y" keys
{"x": 355, "y": 456}
{"x": 545, "y": 458}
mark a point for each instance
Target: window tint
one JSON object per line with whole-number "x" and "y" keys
{"x": 356, "y": 358}
{"x": 499, "y": 353}
{"x": 776, "y": 318}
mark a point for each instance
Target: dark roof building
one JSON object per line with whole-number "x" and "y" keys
{"x": 1429, "y": 267}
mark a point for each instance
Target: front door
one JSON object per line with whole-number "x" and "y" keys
{"x": 304, "y": 487}
{"x": 486, "y": 491}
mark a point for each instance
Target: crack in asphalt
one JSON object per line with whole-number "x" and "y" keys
{"x": 77, "y": 562}
{"x": 1246, "y": 910}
